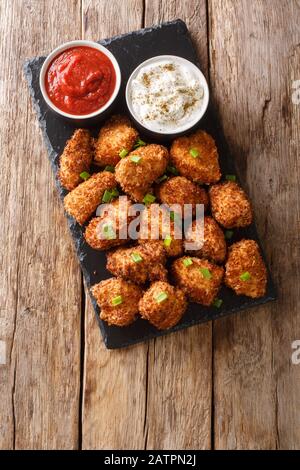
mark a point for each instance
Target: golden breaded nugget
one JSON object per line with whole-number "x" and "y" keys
{"x": 136, "y": 175}
{"x": 138, "y": 263}
{"x": 180, "y": 190}
{"x": 163, "y": 305}
{"x": 198, "y": 278}
{"x": 196, "y": 157}
{"x": 82, "y": 202}
{"x": 118, "y": 301}
{"x": 214, "y": 244}
{"x": 246, "y": 272}
{"x": 103, "y": 232}
{"x": 116, "y": 135}
{"x": 230, "y": 205}
{"x": 75, "y": 159}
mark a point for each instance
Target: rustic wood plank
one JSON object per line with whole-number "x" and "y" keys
{"x": 114, "y": 381}
{"x": 180, "y": 365}
{"x": 254, "y": 59}
{"x": 40, "y": 283}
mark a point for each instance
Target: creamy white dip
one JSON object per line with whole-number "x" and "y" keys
{"x": 166, "y": 95}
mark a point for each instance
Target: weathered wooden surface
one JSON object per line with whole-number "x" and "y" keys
{"x": 228, "y": 385}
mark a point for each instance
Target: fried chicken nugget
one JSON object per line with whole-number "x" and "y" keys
{"x": 138, "y": 263}
{"x": 118, "y": 301}
{"x": 116, "y": 135}
{"x": 163, "y": 305}
{"x": 136, "y": 175}
{"x": 196, "y": 157}
{"x": 230, "y": 205}
{"x": 85, "y": 198}
{"x": 198, "y": 278}
{"x": 246, "y": 272}
{"x": 103, "y": 232}
{"x": 214, "y": 244}
{"x": 75, "y": 159}
{"x": 154, "y": 223}
{"x": 180, "y": 190}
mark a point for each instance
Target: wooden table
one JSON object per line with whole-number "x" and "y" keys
{"x": 230, "y": 384}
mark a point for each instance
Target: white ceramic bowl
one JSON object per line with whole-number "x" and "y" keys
{"x": 179, "y": 130}
{"x": 80, "y": 117}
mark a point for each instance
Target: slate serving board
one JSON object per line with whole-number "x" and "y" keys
{"x": 130, "y": 50}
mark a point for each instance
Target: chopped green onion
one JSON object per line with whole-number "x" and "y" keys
{"x": 107, "y": 196}
{"x": 217, "y": 303}
{"x": 115, "y": 192}
{"x": 174, "y": 217}
{"x": 205, "y": 273}
{"x": 161, "y": 179}
{"x": 230, "y": 177}
{"x": 110, "y": 168}
{"x": 173, "y": 170}
{"x": 228, "y": 234}
{"x": 194, "y": 153}
{"x": 167, "y": 241}
{"x": 84, "y": 175}
{"x": 109, "y": 232}
{"x": 245, "y": 276}
{"x": 123, "y": 153}
{"x": 136, "y": 257}
{"x": 139, "y": 143}
{"x": 148, "y": 199}
{"x": 161, "y": 297}
{"x": 135, "y": 158}
{"x": 117, "y": 300}
{"x": 187, "y": 262}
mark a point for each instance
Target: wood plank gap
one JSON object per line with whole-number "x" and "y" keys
{"x": 146, "y": 399}
{"x": 82, "y": 359}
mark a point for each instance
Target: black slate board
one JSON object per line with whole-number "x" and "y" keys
{"x": 130, "y": 50}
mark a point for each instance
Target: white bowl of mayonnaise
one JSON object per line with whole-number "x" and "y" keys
{"x": 167, "y": 96}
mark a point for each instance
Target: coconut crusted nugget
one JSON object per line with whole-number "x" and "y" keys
{"x": 230, "y": 205}
{"x": 180, "y": 190}
{"x": 163, "y": 305}
{"x": 196, "y": 157}
{"x": 118, "y": 301}
{"x": 75, "y": 159}
{"x": 116, "y": 135}
{"x": 138, "y": 263}
{"x": 213, "y": 243}
{"x": 85, "y": 198}
{"x": 157, "y": 228}
{"x": 246, "y": 272}
{"x": 199, "y": 278}
{"x": 136, "y": 172}
{"x": 110, "y": 229}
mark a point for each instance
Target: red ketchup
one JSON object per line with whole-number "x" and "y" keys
{"x": 80, "y": 80}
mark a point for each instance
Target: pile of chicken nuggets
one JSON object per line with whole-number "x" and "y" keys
{"x": 187, "y": 173}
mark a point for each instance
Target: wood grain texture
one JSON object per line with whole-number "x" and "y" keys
{"x": 179, "y": 367}
{"x": 40, "y": 284}
{"x": 254, "y": 59}
{"x": 114, "y": 400}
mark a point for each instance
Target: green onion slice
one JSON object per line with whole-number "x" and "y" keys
{"x": 161, "y": 179}
{"x": 115, "y": 192}
{"x": 246, "y": 276}
{"x": 148, "y": 199}
{"x": 205, "y": 273}
{"x": 136, "y": 257}
{"x": 108, "y": 232}
{"x": 217, "y": 303}
{"x": 228, "y": 234}
{"x": 139, "y": 143}
{"x": 123, "y": 153}
{"x": 194, "y": 153}
{"x": 117, "y": 300}
{"x": 110, "y": 168}
{"x": 167, "y": 241}
{"x": 173, "y": 170}
{"x": 107, "y": 196}
{"x": 161, "y": 297}
{"x": 84, "y": 175}
{"x": 135, "y": 158}
{"x": 230, "y": 177}
{"x": 187, "y": 262}
{"x": 174, "y": 217}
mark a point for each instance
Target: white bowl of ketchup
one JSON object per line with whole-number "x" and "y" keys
{"x": 80, "y": 80}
